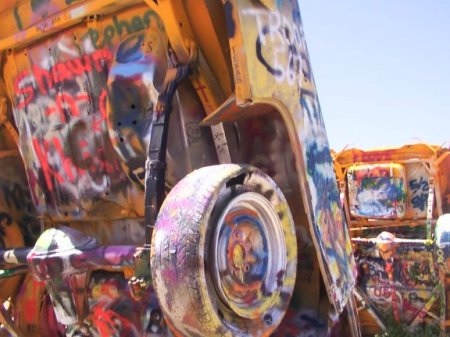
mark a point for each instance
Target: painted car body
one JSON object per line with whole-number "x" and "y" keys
{"x": 80, "y": 83}
{"x": 393, "y": 199}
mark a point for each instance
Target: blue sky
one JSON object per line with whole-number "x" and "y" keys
{"x": 382, "y": 70}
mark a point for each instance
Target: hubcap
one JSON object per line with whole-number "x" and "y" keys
{"x": 249, "y": 255}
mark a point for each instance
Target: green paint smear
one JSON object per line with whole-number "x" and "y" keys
{"x": 17, "y": 17}
{"x": 6, "y": 273}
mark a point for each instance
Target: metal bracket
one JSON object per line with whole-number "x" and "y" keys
{"x": 430, "y": 203}
{"x": 155, "y": 168}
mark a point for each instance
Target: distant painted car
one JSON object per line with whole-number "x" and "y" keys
{"x": 165, "y": 171}
{"x": 397, "y": 205}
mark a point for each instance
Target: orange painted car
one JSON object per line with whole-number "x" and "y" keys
{"x": 397, "y": 205}
{"x": 166, "y": 171}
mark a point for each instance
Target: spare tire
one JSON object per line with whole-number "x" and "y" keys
{"x": 224, "y": 253}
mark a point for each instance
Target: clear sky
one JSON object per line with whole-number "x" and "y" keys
{"x": 382, "y": 69}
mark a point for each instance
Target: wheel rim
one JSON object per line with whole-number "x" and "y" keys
{"x": 249, "y": 251}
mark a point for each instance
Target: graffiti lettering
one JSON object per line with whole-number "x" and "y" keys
{"x": 118, "y": 28}
{"x": 64, "y": 170}
{"x": 66, "y": 102}
{"x": 47, "y": 170}
{"x": 45, "y": 80}
{"x": 419, "y": 201}
{"x": 382, "y": 292}
{"x": 419, "y": 193}
{"x": 60, "y": 105}
{"x": 384, "y": 155}
{"x": 51, "y": 22}
{"x": 408, "y": 285}
{"x": 279, "y": 45}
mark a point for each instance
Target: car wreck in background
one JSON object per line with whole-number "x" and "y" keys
{"x": 397, "y": 205}
{"x": 165, "y": 167}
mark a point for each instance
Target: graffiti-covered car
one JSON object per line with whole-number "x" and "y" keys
{"x": 166, "y": 172}
{"x": 397, "y": 205}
